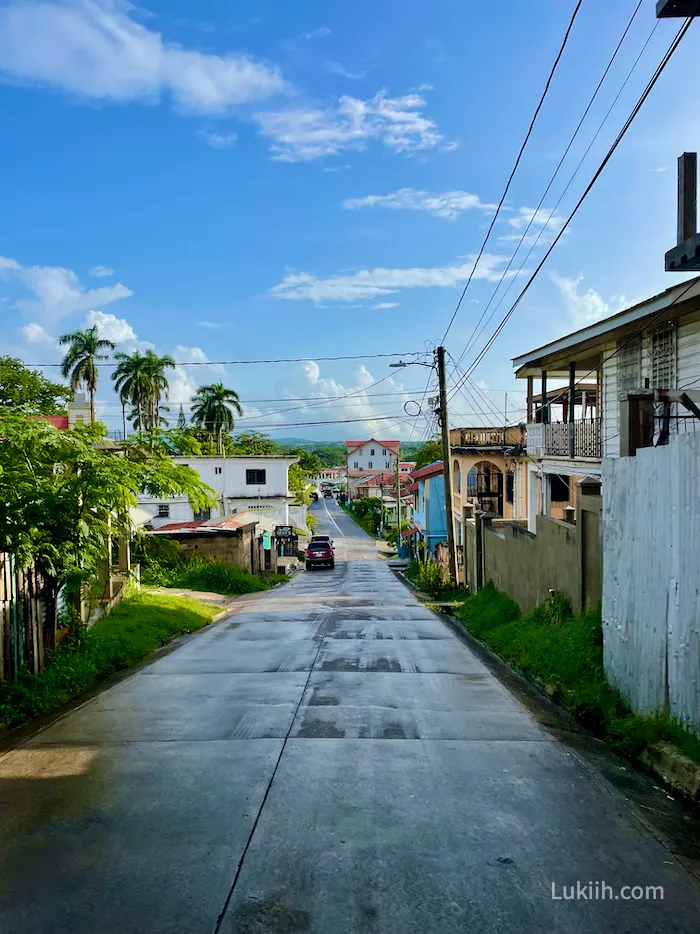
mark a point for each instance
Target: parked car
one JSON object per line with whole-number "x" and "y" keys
{"x": 320, "y": 553}
{"x": 314, "y": 496}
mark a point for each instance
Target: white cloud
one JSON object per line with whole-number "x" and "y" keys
{"x": 213, "y": 324}
{"x": 305, "y": 380}
{"x": 319, "y": 33}
{"x": 100, "y": 271}
{"x": 97, "y": 50}
{"x": 57, "y": 291}
{"x": 536, "y": 218}
{"x": 301, "y": 135}
{"x": 33, "y": 333}
{"x": 374, "y": 283}
{"x": 218, "y": 140}
{"x": 386, "y": 305}
{"x": 448, "y": 204}
{"x": 586, "y": 307}
{"x": 336, "y": 68}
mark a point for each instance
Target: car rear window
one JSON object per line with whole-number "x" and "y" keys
{"x": 319, "y": 546}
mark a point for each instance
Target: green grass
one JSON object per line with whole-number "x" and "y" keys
{"x": 207, "y": 574}
{"x": 140, "y": 624}
{"x": 564, "y": 653}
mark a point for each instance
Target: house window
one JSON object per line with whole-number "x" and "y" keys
{"x": 355, "y": 465}
{"x": 559, "y": 488}
{"x": 369, "y": 464}
{"x": 217, "y": 470}
{"x": 203, "y": 514}
{"x": 663, "y": 358}
{"x": 510, "y": 486}
{"x": 387, "y": 464}
{"x": 79, "y": 419}
{"x": 371, "y": 452}
{"x": 163, "y": 511}
{"x": 255, "y": 477}
{"x": 629, "y": 367}
{"x": 384, "y": 451}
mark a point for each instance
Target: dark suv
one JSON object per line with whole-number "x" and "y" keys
{"x": 320, "y": 553}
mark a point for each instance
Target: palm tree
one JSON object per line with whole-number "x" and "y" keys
{"x": 131, "y": 383}
{"x": 80, "y": 362}
{"x": 155, "y": 367}
{"x": 141, "y": 383}
{"x": 213, "y": 409}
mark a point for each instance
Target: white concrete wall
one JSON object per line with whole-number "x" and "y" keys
{"x": 651, "y": 610}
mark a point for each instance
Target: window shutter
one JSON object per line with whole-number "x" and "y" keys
{"x": 663, "y": 358}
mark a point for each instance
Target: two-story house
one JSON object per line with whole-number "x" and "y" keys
{"x": 258, "y": 484}
{"x": 572, "y": 425}
{"x": 367, "y": 458}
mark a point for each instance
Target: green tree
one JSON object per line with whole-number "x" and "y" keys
{"x": 310, "y": 463}
{"x": 158, "y": 383}
{"x": 430, "y": 452}
{"x": 181, "y": 420}
{"x": 213, "y": 409}
{"x": 141, "y": 382}
{"x": 29, "y": 390}
{"x": 63, "y": 495}
{"x": 298, "y": 483}
{"x": 331, "y": 455}
{"x": 254, "y": 442}
{"x": 85, "y": 349}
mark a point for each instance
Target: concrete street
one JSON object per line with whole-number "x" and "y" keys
{"x": 330, "y": 759}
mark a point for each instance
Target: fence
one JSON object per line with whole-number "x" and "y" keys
{"x": 27, "y": 619}
{"x": 651, "y": 534}
{"x": 573, "y": 439}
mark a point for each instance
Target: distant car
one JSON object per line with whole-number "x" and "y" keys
{"x": 314, "y": 496}
{"x": 328, "y": 494}
{"x": 325, "y": 539}
{"x": 320, "y": 553}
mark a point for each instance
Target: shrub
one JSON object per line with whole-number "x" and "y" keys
{"x": 207, "y": 574}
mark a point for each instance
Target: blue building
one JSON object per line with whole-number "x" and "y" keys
{"x": 429, "y": 518}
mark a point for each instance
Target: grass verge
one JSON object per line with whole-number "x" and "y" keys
{"x": 563, "y": 654}
{"x": 139, "y": 625}
{"x": 365, "y": 522}
{"x": 208, "y": 574}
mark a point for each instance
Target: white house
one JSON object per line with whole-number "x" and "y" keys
{"x": 654, "y": 345}
{"x": 364, "y": 458}
{"x": 257, "y": 484}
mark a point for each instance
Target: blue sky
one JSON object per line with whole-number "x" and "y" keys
{"x": 291, "y": 178}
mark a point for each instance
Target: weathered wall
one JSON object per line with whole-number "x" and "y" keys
{"x": 526, "y": 566}
{"x": 243, "y": 550}
{"x": 651, "y": 611}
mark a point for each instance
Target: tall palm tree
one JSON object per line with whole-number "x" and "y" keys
{"x": 213, "y": 409}
{"x": 85, "y": 348}
{"x": 131, "y": 383}
{"x": 155, "y": 367}
{"x": 141, "y": 383}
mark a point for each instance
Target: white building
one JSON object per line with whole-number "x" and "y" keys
{"x": 257, "y": 484}
{"x": 365, "y": 458}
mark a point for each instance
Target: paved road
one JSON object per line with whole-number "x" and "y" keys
{"x": 331, "y": 760}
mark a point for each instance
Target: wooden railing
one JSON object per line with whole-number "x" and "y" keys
{"x": 558, "y": 441}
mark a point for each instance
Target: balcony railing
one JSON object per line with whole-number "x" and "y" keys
{"x": 565, "y": 439}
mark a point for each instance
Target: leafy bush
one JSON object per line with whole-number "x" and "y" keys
{"x": 210, "y": 574}
{"x": 311, "y": 522}
{"x": 140, "y": 624}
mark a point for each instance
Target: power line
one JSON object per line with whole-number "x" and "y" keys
{"x": 572, "y": 139}
{"x": 657, "y": 74}
{"x": 307, "y": 359}
{"x": 515, "y": 166}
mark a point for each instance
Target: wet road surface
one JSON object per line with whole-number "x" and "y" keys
{"x": 330, "y": 759}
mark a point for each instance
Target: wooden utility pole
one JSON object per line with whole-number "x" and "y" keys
{"x": 398, "y": 499}
{"x": 446, "y": 462}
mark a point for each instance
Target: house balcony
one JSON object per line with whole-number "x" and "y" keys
{"x": 574, "y": 440}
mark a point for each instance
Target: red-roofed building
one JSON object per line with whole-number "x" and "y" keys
{"x": 369, "y": 458}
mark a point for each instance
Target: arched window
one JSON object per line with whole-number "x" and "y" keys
{"x": 456, "y": 478}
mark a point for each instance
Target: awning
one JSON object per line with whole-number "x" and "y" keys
{"x": 409, "y": 532}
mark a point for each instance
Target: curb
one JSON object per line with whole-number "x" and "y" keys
{"x": 674, "y": 769}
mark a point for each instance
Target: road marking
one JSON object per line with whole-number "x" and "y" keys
{"x": 325, "y": 506}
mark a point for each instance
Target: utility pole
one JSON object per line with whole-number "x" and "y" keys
{"x": 446, "y": 462}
